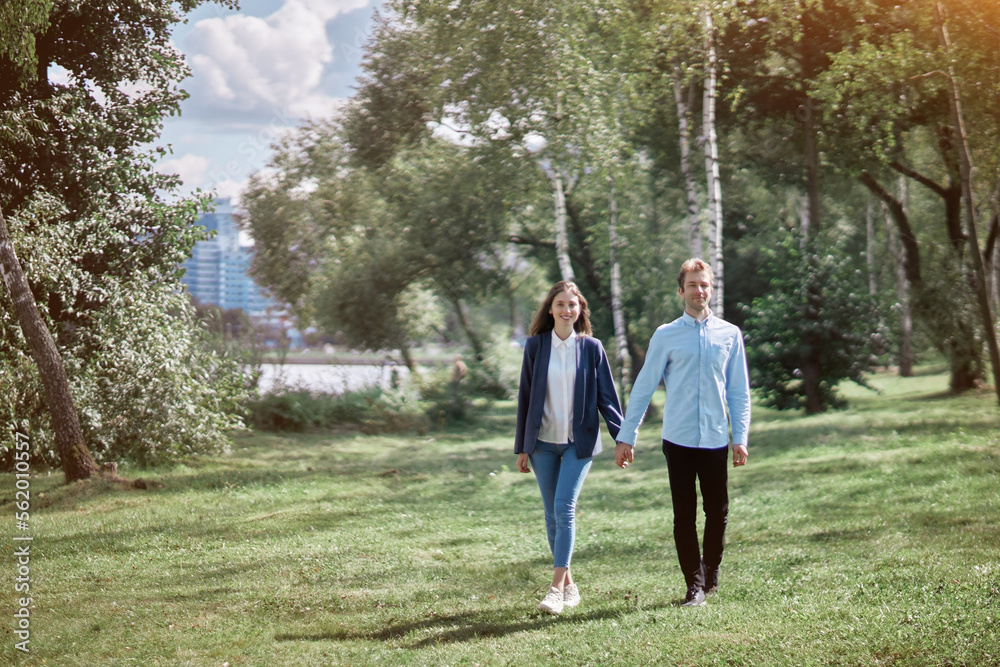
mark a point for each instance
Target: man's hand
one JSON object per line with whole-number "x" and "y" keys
{"x": 624, "y": 454}
{"x": 740, "y": 455}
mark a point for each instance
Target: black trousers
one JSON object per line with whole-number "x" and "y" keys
{"x": 709, "y": 467}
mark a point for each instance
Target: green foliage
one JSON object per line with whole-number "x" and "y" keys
{"x": 231, "y": 334}
{"x": 452, "y": 394}
{"x": 19, "y": 20}
{"x": 100, "y": 236}
{"x": 498, "y": 373}
{"x": 358, "y": 249}
{"x": 446, "y": 400}
{"x": 371, "y": 410}
{"x": 463, "y": 391}
{"x": 147, "y": 385}
{"x": 812, "y": 301}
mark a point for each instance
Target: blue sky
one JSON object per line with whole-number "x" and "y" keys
{"x": 256, "y": 73}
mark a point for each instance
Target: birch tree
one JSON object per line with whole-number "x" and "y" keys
{"x": 713, "y": 182}
{"x": 682, "y": 101}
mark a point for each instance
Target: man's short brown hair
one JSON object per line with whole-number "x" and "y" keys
{"x": 694, "y": 265}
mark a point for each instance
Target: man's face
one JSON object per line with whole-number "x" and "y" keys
{"x": 697, "y": 291}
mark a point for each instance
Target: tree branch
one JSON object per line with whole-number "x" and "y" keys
{"x": 918, "y": 177}
{"x": 991, "y": 239}
{"x": 911, "y": 251}
{"x": 528, "y": 240}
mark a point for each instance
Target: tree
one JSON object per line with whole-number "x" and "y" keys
{"x": 527, "y": 91}
{"x": 98, "y": 244}
{"x": 713, "y": 181}
{"x": 73, "y": 453}
{"x": 780, "y": 326}
{"x": 777, "y": 50}
{"x": 347, "y": 244}
{"x": 969, "y": 210}
{"x": 683, "y": 105}
{"x": 890, "y": 96}
{"x": 17, "y": 43}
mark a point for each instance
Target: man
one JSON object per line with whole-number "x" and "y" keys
{"x": 701, "y": 360}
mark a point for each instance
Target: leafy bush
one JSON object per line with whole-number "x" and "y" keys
{"x": 447, "y": 395}
{"x": 496, "y": 375}
{"x": 371, "y": 410}
{"x": 445, "y": 398}
{"x": 232, "y": 334}
{"x": 146, "y": 386}
{"x": 455, "y": 394}
{"x": 844, "y": 324}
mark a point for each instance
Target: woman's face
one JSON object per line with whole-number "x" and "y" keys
{"x": 565, "y": 309}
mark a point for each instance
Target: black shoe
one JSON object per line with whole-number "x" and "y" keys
{"x": 711, "y": 582}
{"x": 695, "y": 597}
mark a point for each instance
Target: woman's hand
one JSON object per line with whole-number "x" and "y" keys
{"x": 522, "y": 462}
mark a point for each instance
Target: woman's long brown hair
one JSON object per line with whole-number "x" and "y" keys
{"x": 544, "y": 321}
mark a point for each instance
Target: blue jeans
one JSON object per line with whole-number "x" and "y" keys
{"x": 560, "y": 476}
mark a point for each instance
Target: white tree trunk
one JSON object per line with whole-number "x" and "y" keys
{"x": 562, "y": 237}
{"x": 622, "y": 359}
{"x": 712, "y": 168}
{"x": 805, "y": 223}
{"x": 690, "y": 185}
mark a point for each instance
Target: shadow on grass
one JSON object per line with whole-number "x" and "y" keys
{"x": 470, "y": 626}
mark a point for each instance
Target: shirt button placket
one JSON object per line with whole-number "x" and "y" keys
{"x": 702, "y": 379}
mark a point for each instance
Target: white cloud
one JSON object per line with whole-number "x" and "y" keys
{"x": 196, "y": 172}
{"x": 248, "y": 64}
{"x": 230, "y": 188}
{"x": 256, "y": 74}
{"x": 190, "y": 167}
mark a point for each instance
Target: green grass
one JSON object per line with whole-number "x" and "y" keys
{"x": 865, "y": 537}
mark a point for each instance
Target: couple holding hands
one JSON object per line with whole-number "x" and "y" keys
{"x": 566, "y": 382}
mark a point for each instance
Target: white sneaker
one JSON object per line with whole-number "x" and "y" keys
{"x": 552, "y": 603}
{"x": 571, "y": 596}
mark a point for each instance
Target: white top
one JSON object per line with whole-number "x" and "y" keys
{"x": 557, "y": 416}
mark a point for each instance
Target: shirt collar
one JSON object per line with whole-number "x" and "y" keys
{"x": 688, "y": 319}
{"x": 558, "y": 342}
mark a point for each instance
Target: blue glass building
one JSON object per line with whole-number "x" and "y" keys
{"x": 218, "y": 271}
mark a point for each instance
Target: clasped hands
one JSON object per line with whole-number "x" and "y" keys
{"x": 624, "y": 454}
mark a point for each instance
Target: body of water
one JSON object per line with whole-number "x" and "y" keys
{"x": 328, "y": 377}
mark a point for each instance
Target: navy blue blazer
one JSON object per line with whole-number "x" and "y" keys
{"x": 595, "y": 391}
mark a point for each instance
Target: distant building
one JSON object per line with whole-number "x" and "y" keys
{"x": 218, "y": 271}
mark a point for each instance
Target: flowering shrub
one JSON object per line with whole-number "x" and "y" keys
{"x": 147, "y": 387}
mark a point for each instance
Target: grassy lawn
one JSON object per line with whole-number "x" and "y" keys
{"x": 864, "y": 537}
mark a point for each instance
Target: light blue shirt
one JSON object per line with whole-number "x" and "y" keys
{"x": 703, "y": 366}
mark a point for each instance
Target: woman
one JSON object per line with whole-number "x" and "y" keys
{"x": 565, "y": 381}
